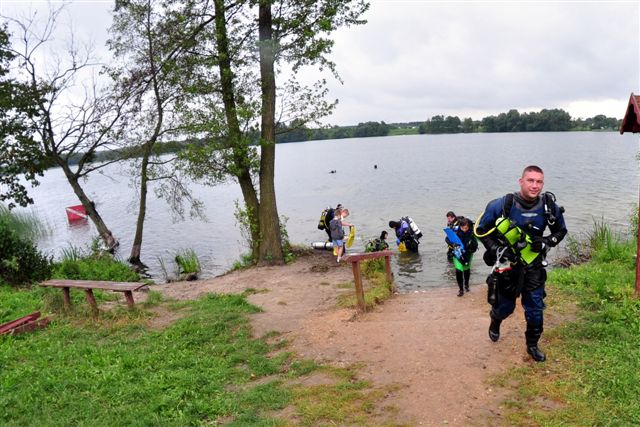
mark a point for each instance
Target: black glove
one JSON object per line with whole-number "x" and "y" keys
{"x": 538, "y": 243}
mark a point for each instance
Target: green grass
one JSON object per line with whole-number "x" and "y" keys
{"x": 245, "y": 261}
{"x": 18, "y": 302}
{"x": 592, "y": 377}
{"x": 187, "y": 261}
{"x": 202, "y": 369}
{"x": 403, "y": 131}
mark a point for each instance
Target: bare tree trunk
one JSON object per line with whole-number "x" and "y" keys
{"x": 253, "y": 208}
{"x": 270, "y": 238}
{"x": 136, "y": 247}
{"x": 89, "y": 206}
{"x": 234, "y": 133}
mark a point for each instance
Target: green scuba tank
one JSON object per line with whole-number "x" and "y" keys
{"x": 519, "y": 241}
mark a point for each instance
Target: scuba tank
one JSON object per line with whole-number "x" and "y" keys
{"x": 518, "y": 240}
{"x": 322, "y": 224}
{"x": 322, "y": 245}
{"x": 414, "y": 227}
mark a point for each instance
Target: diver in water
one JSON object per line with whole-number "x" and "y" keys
{"x": 407, "y": 234}
{"x": 379, "y": 244}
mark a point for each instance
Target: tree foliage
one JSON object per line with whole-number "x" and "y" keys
{"x": 230, "y": 55}
{"x": 74, "y": 116}
{"x": 20, "y": 156}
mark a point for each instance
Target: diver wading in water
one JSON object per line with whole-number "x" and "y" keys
{"x": 511, "y": 229}
{"x": 407, "y": 234}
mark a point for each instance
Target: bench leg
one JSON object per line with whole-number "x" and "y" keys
{"x": 359, "y": 289}
{"x": 92, "y": 302}
{"x": 129, "y": 296}
{"x": 67, "y": 299}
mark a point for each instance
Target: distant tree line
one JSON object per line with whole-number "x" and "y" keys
{"x": 553, "y": 120}
{"x": 297, "y": 133}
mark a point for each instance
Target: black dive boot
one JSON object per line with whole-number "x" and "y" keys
{"x": 532, "y": 335}
{"x": 494, "y": 328}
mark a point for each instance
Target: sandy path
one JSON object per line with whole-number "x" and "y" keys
{"x": 432, "y": 346}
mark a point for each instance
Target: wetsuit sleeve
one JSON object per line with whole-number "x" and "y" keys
{"x": 558, "y": 228}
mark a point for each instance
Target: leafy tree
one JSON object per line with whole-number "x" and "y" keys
{"x": 371, "y": 129}
{"x": 236, "y": 50}
{"x": 147, "y": 73}
{"x": 469, "y": 126}
{"x": 19, "y": 152}
{"x": 74, "y": 117}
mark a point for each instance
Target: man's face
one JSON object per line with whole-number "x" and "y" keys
{"x": 450, "y": 219}
{"x": 464, "y": 228}
{"x": 531, "y": 184}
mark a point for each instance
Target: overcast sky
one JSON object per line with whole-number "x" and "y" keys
{"x": 415, "y": 59}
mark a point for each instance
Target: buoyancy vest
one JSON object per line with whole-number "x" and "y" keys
{"x": 533, "y": 220}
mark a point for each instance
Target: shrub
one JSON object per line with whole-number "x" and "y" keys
{"x": 187, "y": 261}
{"x": 92, "y": 264}
{"x": 20, "y": 260}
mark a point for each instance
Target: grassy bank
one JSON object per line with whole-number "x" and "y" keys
{"x": 202, "y": 369}
{"x": 592, "y": 376}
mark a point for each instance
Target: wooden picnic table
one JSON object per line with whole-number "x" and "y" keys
{"x": 89, "y": 285}
{"x": 355, "y": 259}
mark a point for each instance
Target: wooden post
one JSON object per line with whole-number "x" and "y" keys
{"x": 357, "y": 278}
{"x": 92, "y": 302}
{"x": 67, "y": 299}
{"x": 638, "y": 252}
{"x": 129, "y": 296}
{"x": 355, "y": 259}
{"x": 387, "y": 269}
{"x": 631, "y": 123}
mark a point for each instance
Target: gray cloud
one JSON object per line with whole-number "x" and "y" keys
{"x": 415, "y": 59}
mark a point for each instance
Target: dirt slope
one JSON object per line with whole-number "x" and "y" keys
{"x": 432, "y": 346}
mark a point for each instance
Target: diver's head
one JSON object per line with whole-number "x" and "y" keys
{"x": 531, "y": 182}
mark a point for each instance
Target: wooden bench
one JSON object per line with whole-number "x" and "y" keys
{"x": 89, "y": 286}
{"x": 26, "y": 323}
{"x": 355, "y": 259}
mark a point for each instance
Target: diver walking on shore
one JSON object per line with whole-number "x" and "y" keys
{"x": 463, "y": 249}
{"x": 511, "y": 229}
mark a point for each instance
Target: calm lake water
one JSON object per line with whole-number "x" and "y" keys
{"x": 593, "y": 174}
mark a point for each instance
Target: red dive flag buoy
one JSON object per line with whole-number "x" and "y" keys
{"x": 76, "y": 213}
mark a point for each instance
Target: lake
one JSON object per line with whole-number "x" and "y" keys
{"x": 593, "y": 174}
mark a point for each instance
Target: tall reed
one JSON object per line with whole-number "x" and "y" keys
{"x": 26, "y": 224}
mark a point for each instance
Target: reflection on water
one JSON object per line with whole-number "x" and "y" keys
{"x": 409, "y": 267}
{"x": 593, "y": 174}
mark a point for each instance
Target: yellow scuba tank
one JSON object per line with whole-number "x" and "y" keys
{"x": 351, "y": 237}
{"x": 322, "y": 224}
{"x": 519, "y": 241}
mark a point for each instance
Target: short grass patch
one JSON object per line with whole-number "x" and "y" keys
{"x": 201, "y": 369}
{"x": 592, "y": 375}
